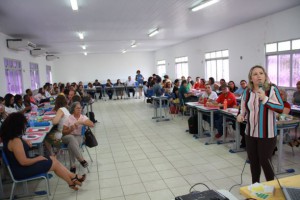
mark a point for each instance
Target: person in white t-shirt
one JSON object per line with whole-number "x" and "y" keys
{"x": 208, "y": 94}
{"x": 130, "y": 83}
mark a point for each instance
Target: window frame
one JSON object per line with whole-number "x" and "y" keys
{"x": 181, "y": 60}
{"x": 212, "y": 56}
{"x": 34, "y": 68}
{"x": 19, "y": 75}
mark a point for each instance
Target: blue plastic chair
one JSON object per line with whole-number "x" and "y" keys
{"x": 15, "y": 181}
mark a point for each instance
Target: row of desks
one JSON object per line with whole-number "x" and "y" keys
{"x": 231, "y": 113}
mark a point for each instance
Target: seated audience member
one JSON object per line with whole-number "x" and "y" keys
{"x": 9, "y": 100}
{"x": 27, "y": 103}
{"x": 296, "y": 95}
{"x": 68, "y": 85}
{"x": 71, "y": 94}
{"x": 80, "y": 91}
{"x": 62, "y": 88}
{"x": 287, "y": 107}
{"x": 92, "y": 90}
{"x": 211, "y": 82}
{"x": 119, "y": 91}
{"x": 197, "y": 83}
{"x": 223, "y": 82}
{"x": 157, "y": 88}
{"x": 98, "y": 86}
{"x": 239, "y": 92}
{"x": 208, "y": 94}
{"x": 19, "y": 106}
{"x": 62, "y": 113}
{"x": 47, "y": 90}
{"x": 175, "y": 92}
{"x": 40, "y": 95}
{"x": 232, "y": 87}
{"x": 184, "y": 92}
{"x": 17, "y": 152}
{"x": 109, "y": 89}
{"x": 32, "y": 99}
{"x": 167, "y": 79}
{"x": 150, "y": 82}
{"x": 130, "y": 86}
{"x": 3, "y": 114}
{"x": 202, "y": 83}
{"x": 190, "y": 83}
{"x": 167, "y": 88}
{"x": 231, "y": 102}
{"x": 72, "y": 128}
{"x": 145, "y": 87}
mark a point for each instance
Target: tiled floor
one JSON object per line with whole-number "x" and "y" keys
{"x": 140, "y": 159}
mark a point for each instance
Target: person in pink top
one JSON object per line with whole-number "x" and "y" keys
{"x": 72, "y": 134}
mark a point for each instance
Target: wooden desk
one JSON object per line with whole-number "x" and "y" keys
{"x": 292, "y": 181}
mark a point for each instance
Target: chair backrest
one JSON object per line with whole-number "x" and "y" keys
{"x": 150, "y": 93}
{"x": 4, "y": 158}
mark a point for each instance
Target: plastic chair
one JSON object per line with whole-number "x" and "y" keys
{"x": 15, "y": 181}
{"x": 64, "y": 147}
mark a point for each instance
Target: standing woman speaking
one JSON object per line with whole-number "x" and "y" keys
{"x": 259, "y": 105}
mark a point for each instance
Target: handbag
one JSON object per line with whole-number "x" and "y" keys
{"x": 90, "y": 139}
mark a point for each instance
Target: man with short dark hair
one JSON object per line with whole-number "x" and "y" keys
{"x": 240, "y": 91}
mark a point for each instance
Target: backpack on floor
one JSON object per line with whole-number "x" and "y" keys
{"x": 193, "y": 124}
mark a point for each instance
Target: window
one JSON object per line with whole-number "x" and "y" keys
{"x": 34, "y": 76}
{"x": 181, "y": 67}
{"x": 283, "y": 62}
{"x": 217, "y": 65}
{"x": 13, "y": 73}
{"x": 48, "y": 74}
{"x": 161, "y": 68}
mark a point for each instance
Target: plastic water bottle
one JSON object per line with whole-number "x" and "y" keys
{"x": 205, "y": 101}
{"x": 225, "y": 104}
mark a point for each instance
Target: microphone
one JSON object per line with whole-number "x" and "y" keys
{"x": 261, "y": 86}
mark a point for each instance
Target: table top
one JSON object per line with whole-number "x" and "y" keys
{"x": 292, "y": 181}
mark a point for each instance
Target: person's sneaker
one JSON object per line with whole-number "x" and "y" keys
{"x": 218, "y": 135}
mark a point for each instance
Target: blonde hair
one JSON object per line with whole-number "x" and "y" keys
{"x": 282, "y": 90}
{"x": 266, "y": 84}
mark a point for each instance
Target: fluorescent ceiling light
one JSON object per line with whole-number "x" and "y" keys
{"x": 74, "y": 4}
{"x": 203, "y": 4}
{"x": 85, "y": 53}
{"x": 154, "y": 32}
{"x": 83, "y": 47}
{"x": 124, "y": 51}
{"x": 81, "y": 36}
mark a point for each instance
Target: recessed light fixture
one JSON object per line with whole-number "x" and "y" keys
{"x": 124, "y": 51}
{"x": 74, "y": 4}
{"x": 203, "y": 4}
{"x": 153, "y": 32}
{"x": 81, "y": 36}
{"x": 83, "y": 47}
{"x": 133, "y": 44}
{"x": 85, "y": 53}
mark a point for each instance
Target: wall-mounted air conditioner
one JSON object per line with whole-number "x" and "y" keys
{"x": 37, "y": 52}
{"x": 20, "y": 44}
{"x": 51, "y": 57}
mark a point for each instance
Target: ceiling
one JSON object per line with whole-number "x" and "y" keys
{"x": 110, "y": 26}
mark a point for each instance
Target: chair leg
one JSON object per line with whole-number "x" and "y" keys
{"x": 89, "y": 153}
{"x": 47, "y": 186}
{"x": 12, "y": 191}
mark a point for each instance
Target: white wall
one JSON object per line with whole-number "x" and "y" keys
{"x": 246, "y": 40}
{"x": 102, "y": 66}
{"x": 25, "y": 58}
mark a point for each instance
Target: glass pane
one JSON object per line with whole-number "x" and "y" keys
{"x": 178, "y": 70}
{"x": 185, "y": 70}
{"x": 272, "y": 68}
{"x": 213, "y": 55}
{"x": 161, "y": 62}
{"x": 296, "y": 44}
{"x": 296, "y": 69}
{"x": 218, "y": 54}
{"x": 219, "y": 70}
{"x": 208, "y": 69}
{"x": 225, "y": 53}
{"x": 271, "y": 47}
{"x": 207, "y": 56}
{"x": 284, "y": 69}
{"x": 284, "y": 46}
{"x": 214, "y": 69}
{"x": 226, "y": 69}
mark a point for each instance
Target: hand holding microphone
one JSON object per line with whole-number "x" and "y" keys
{"x": 261, "y": 92}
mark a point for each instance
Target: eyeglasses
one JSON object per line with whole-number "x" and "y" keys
{"x": 78, "y": 108}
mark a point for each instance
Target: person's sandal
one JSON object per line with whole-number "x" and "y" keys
{"x": 83, "y": 177}
{"x": 73, "y": 170}
{"x": 73, "y": 187}
{"x": 84, "y": 164}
